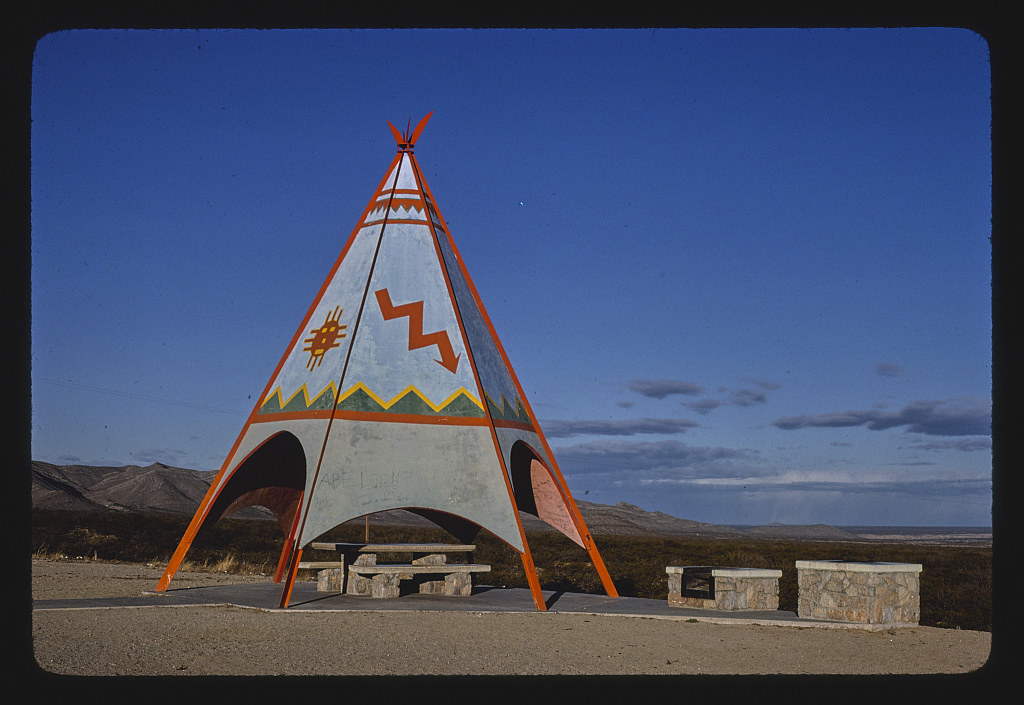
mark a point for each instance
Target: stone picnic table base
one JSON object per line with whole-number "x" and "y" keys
{"x": 868, "y": 593}
{"x": 707, "y": 587}
{"x": 366, "y": 576}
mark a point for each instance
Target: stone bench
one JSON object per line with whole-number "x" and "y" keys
{"x": 385, "y": 580}
{"x": 867, "y": 593}
{"x": 707, "y": 587}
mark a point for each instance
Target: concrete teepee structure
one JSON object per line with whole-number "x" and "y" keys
{"x": 395, "y": 393}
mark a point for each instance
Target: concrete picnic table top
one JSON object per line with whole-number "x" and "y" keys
{"x": 392, "y": 547}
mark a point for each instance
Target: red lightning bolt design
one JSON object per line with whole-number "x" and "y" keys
{"x": 417, "y": 339}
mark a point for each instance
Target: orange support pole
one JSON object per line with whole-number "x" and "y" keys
{"x": 293, "y": 568}
{"x": 179, "y": 554}
{"x": 289, "y": 543}
{"x": 532, "y": 580}
{"x": 602, "y": 571}
{"x": 282, "y": 562}
{"x": 186, "y": 541}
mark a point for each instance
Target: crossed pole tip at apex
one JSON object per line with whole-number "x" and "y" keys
{"x": 406, "y": 140}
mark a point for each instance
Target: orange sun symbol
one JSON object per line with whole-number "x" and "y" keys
{"x": 324, "y": 338}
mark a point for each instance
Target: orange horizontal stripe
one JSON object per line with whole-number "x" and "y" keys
{"x": 503, "y": 423}
{"x": 411, "y": 418}
{"x": 292, "y": 415}
{"x": 389, "y": 221}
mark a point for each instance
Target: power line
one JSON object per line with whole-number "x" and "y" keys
{"x": 117, "y": 393}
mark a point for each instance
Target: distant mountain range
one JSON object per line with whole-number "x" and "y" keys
{"x": 161, "y": 488}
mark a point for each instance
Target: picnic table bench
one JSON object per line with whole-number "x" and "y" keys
{"x": 368, "y": 575}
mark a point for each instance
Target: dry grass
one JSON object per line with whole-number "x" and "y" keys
{"x": 224, "y": 564}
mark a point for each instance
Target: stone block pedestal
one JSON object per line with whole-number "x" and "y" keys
{"x": 453, "y": 585}
{"x": 868, "y": 593}
{"x": 381, "y": 585}
{"x": 330, "y": 580}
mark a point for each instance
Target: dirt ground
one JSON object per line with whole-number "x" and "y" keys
{"x": 165, "y": 640}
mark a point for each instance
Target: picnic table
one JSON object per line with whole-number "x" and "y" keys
{"x": 369, "y": 573}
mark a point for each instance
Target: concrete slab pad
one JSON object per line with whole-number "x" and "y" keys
{"x": 305, "y": 598}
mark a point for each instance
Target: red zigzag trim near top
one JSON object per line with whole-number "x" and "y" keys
{"x": 417, "y": 339}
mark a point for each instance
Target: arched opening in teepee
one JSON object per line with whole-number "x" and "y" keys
{"x": 538, "y": 493}
{"x": 416, "y": 518}
{"x": 273, "y": 476}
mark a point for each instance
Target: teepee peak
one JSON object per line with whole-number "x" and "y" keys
{"x": 406, "y": 140}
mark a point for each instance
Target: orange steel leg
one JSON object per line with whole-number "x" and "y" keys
{"x": 288, "y": 545}
{"x": 282, "y": 562}
{"x": 172, "y": 567}
{"x": 588, "y": 542}
{"x": 581, "y": 527}
{"x": 293, "y": 568}
{"x": 183, "y": 546}
{"x": 602, "y": 571}
{"x": 533, "y": 580}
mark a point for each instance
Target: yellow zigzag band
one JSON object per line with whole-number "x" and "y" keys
{"x": 359, "y": 386}
{"x": 305, "y": 394}
{"x": 504, "y": 405}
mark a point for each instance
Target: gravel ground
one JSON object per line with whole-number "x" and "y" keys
{"x": 165, "y": 640}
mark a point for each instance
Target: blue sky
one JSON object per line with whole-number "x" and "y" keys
{"x": 743, "y": 275}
